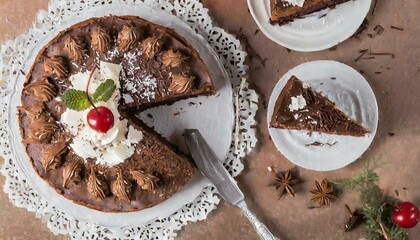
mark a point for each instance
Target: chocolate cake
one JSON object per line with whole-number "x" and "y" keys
{"x": 284, "y": 11}
{"x": 300, "y": 108}
{"x": 79, "y": 105}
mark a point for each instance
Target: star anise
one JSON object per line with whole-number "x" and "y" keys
{"x": 284, "y": 182}
{"x": 324, "y": 193}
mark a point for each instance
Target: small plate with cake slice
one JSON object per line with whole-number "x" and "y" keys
{"x": 309, "y": 25}
{"x": 322, "y": 115}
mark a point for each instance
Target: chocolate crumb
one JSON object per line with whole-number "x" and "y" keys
{"x": 333, "y": 78}
{"x": 150, "y": 116}
{"x": 397, "y": 193}
{"x": 288, "y": 50}
{"x": 391, "y": 134}
{"x": 333, "y": 48}
{"x": 378, "y": 72}
{"x": 404, "y": 188}
{"x": 256, "y": 32}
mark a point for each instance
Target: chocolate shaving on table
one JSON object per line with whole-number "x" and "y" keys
{"x": 362, "y": 53}
{"x": 361, "y": 29}
{"x": 251, "y": 52}
{"x": 372, "y": 55}
{"x": 397, "y": 28}
{"x": 375, "y": 2}
{"x": 378, "y": 29}
{"x": 382, "y": 54}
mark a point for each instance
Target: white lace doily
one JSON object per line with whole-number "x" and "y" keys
{"x": 19, "y": 190}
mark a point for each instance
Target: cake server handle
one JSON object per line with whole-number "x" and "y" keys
{"x": 261, "y": 229}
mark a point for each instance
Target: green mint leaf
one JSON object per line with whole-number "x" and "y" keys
{"x": 75, "y": 99}
{"x": 104, "y": 92}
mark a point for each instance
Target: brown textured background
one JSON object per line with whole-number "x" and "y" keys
{"x": 397, "y": 91}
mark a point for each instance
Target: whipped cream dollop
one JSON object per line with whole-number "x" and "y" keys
{"x": 298, "y": 103}
{"x": 119, "y": 142}
{"x": 295, "y": 2}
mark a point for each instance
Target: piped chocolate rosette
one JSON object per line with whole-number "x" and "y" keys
{"x": 79, "y": 104}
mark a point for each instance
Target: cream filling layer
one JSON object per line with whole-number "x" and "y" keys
{"x": 119, "y": 142}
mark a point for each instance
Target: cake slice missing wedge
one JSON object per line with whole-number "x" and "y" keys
{"x": 284, "y": 11}
{"x": 300, "y": 108}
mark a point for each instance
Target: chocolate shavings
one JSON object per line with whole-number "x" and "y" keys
{"x": 397, "y": 28}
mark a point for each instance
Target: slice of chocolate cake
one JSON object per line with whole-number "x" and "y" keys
{"x": 79, "y": 104}
{"x": 301, "y": 108}
{"x": 284, "y": 11}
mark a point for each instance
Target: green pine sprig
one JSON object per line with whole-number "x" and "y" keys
{"x": 377, "y": 206}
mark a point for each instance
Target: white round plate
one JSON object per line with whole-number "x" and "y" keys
{"x": 351, "y": 93}
{"x": 213, "y": 116}
{"x": 314, "y": 32}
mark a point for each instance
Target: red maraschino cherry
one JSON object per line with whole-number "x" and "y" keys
{"x": 406, "y": 215}
{"x": 100, "y": 118}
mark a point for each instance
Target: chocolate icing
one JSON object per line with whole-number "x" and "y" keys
{"x": 41, "y": 89}
{"x": 72, "y": 173}
{"x": 55, "y": 66}
{"x": 146, "y": 181}
{"x": 101, "y": 40}
{"x": 156, "y": 170}
{"x": 319, "y": 114}
{"x": 75, "y": 48}
{"x": 181, "y": 83}
{"x": 42, "y": 125}
{"x": 128, "y": 36}
{"x": 121, "y": 188}
{"x": 282, "y": 12}
{"x": 173, "y": 59}
{"x": 96, "y": 185}
{"x": 52, "y": 154}
{"x": 151, "y": 46}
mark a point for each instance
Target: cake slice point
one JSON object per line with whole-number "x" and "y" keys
{"x": 301, "y": 108}
{"x": 284, "y": 11}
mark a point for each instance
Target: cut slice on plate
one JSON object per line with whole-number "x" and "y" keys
{"x": 300, "y": 108}
{"x": 284, "y": 11}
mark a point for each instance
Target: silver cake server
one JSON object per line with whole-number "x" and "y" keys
{"x": 208, "y": 163}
